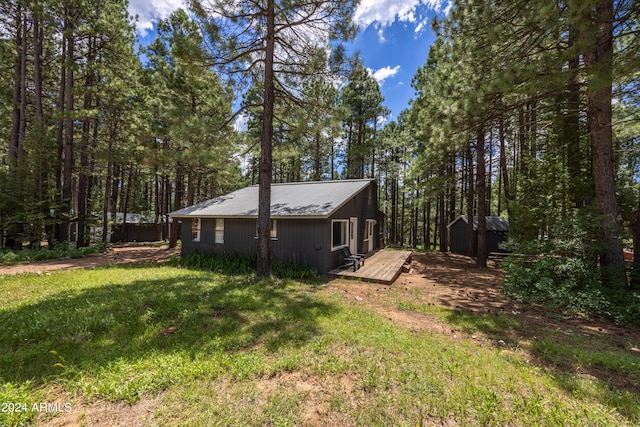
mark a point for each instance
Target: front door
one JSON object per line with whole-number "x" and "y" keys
{"x": 353, "y": 235}
{"x": 369, "y": 234}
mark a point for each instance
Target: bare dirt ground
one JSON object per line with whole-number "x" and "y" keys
{"x": 118, "y": 254}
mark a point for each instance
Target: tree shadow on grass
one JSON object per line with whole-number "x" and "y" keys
{"x": 571, "y": 352}
{"x": 188, "y": 312}
{"x": 570, "y": 349}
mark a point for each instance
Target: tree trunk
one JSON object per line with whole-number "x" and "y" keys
{"x": 41, "y": 164}
{"x": 426, "y": 216}
{"x": 125, "y": 203}
{"x": 107, "y": 201}
{"x": 317, "y": 173}
{"x": 571, "y": 126}
{"x": 23, "y": 89}
{"x": 115, "y": 187}
{"x": 442, "y": 224}
{"x": 191, "y": 188}
{"x": 166, "y": 191}
{"x": 471, "y": 241}
{"x": 451, "y": 176}
{"x": 481, "y": 257}
{"x": 522, "y": 139}
{"x": 93, "y": 179}
{"x": 177, "y": 204}
{"x": 15, "y": 143}
{"x": 504, "y": 173}
{"x": 68, "y": 138}
{"x": 60, "y": 234}
{"x": 83, "y": 178}
{"x": 265, "y": 167}
{"x": 402, "y": 216}
{"x": 599, "y": 63}
{"x": 415, "y": 220}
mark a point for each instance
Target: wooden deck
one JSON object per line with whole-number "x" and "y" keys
{"x": 382, "y": 267}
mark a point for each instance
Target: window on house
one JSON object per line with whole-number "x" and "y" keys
{"x": 339, "y": 229}
{"x": 273, "y": 232}
{"x": 195, "y": 229}
{"x": 219, "y": 230}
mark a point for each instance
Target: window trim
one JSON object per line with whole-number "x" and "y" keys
{"x": 218, "y": 228}
{"x": 345, "y": 233}
{"x": 196, "y": 225}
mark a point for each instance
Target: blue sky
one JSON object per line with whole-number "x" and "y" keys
{"x": 393, "y": 41}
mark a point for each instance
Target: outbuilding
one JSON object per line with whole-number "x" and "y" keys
{"x": 497, "y": 230}
{"x": 310, "y": 222}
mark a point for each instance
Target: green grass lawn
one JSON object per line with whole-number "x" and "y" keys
{"x": 200, "y": 348}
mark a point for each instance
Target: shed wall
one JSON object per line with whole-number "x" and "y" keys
{"x": 458, "y": 232}
{"x": 458, "y": 240}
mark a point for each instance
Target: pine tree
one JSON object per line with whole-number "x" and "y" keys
{"x": 271, "y": 42}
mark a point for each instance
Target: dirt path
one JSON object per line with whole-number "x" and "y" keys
{"x": 118, "y": 254}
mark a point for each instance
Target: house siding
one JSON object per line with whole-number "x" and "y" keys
{"x": 362, "y": 206}
{"x": 298, "y": 241}
{"x": 302, "y": 241}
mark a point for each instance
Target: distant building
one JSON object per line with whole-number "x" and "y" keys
{"x": 136, "y": 228}
{"x": 497, "y": 230}
{"x": 311, "y": 222}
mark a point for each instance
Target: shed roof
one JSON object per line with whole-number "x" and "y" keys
{"x": 317, "y": 199}
{"x": 494, "y": 223}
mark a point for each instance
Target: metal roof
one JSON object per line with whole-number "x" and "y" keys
{"x": 494, "y": 223}
{"x": 317, "y": 199}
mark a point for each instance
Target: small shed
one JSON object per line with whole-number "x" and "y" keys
{"x": 137, "y": 228}
{"x": 497, "y": 230}
{"x": 310, "y": 222}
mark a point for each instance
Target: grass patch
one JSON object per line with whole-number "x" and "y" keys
{"x": 60, "y": 251}
{"x": 242, "y": 265}
{"x": 234, "y": 350}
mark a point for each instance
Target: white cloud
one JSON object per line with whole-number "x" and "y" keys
{"x": 150, "y": 11}
{"x": 384, "y": 73}
{"x": 241, "y": 123}
{"x": 448, "y": 8}
{"x": 386, "y": 12}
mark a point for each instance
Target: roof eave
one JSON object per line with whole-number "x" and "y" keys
{"x": 295, "y": 217}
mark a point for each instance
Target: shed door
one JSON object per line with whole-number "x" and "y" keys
{"x": 353, "y": 235}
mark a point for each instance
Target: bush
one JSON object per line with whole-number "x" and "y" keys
{"x": 562, "y": 273}
{"x": 241, "y": 265}
{"x": 59, "y": 251}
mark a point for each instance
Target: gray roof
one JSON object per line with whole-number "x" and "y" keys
{"x": 318, "y": 199}
{"x": 494, "y": 223}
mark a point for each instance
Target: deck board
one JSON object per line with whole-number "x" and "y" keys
{"x": 382, "y": 267}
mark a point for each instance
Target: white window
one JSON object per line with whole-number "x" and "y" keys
{"x": 219, "y": 230}
{"x": 195, "y": 229}
{"x": 339, "y": 229}
{"x": 273, "y": 231}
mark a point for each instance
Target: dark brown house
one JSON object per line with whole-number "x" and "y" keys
{"x": 311, "y": 222}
